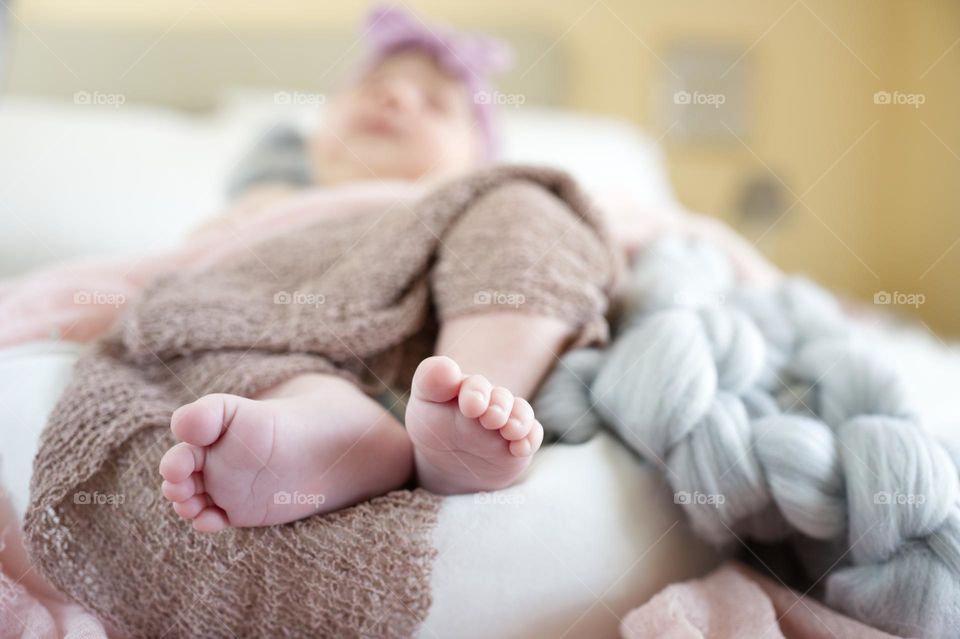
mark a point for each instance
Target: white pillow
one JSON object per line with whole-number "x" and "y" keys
{"x": 85, "y": 179}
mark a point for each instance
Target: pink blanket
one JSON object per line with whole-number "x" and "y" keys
{"x": 29, "y": 607}
{"x": 734, "y": 602}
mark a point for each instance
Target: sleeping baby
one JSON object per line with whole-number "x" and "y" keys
{"x": 469, "y": 354}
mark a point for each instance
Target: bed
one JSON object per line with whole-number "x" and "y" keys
{"x": 585, "y": 547}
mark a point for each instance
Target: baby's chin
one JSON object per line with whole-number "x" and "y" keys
{"x": 386, "y": 157}
{"x": 391, "y": 159}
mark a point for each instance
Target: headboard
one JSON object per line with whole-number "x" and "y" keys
{"x": 191, "y": 68}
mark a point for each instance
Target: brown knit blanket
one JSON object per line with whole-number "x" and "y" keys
{"x": 361, "y": 297}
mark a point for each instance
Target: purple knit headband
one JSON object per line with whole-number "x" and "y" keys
{"x": 471, "y": 58}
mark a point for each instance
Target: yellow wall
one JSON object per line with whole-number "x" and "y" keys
{"x": 921, "y": 211}
{"x": 878, "y": 187}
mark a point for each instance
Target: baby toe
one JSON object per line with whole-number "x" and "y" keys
{"x": 497, "y": 413}
{"x": 181, "y": 461}
{"x": 529, "y": 444}
{"x": 210, "y": 520}
{"x": 190, "y": 508}
{"x": 475, "y": 396}
{"x": 520, "y": 422}
{"x": 181, "y": 491}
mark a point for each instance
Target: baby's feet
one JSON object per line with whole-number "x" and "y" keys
{"x": 468, "y": 435}
{"x": 244, "y": 462}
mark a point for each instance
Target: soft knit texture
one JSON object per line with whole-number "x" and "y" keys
{"x": 771, "y": 419}
{"x": 357, "y": 296}
{"x": 365, "y": 292}
{"x": 28, "y": 607}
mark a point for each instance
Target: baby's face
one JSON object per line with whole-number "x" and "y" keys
{"x": 405, "y": 119}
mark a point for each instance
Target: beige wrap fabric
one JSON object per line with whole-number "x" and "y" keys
{"x": 358, "y": 296}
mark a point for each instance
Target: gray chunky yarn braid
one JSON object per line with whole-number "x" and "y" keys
{"x": 768, "y": 417}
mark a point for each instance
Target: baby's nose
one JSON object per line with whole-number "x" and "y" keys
{"x": 399, "y": 95}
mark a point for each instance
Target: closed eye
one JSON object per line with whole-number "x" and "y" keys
{"x": 438, "y": 103}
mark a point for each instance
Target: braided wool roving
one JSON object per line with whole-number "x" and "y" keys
{"x": 769, "y": 415}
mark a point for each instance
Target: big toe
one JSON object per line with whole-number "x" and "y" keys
{"x": 201, "y": 422}
{"x": 181, "y": 461}
{"x": 437, "y": 379}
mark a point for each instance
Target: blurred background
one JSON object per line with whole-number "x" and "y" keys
{"x": 826, "y": 131}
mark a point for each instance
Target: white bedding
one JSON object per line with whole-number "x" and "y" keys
{"x": 588, "y": 536}
{"x": 32, "y": 377}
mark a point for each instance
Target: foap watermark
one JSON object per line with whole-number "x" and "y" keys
{"x": 886, "y": 498}
{"x": 699, "y": 98}
{"x": 299, "y": 98}
{"x": 899, "y": 98}
{"x": 97, "y": 498}
{"x": 299, "y": 298}
{"x": 499, "y": 498}
{"x": 897, "y": 298}
{"x": 499, "y": 98}
{"x": 99, "y": 298}
{"x": 499, "y": 298}
{"x": 296, "y": 498}
{"x": 99, "y": 98}
{"x": 687, "y": 498}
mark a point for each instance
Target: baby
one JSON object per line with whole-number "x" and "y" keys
{"x": 467, "y": 425}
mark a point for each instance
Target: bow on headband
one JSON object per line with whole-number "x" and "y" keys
{"x": 461, "y": 53}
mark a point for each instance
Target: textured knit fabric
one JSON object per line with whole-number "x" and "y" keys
{"x": 357, "y": 296}
{"x": 365, "y": 292}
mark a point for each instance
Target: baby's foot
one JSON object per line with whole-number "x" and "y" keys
{"x": 468, "y": 435}
{"x": 244, "y": 462}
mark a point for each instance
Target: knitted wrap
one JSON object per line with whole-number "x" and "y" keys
{"x": 770, "y": 417}
{"x": 356, "y": 295}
